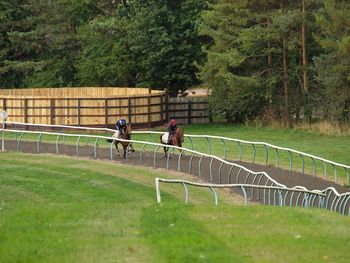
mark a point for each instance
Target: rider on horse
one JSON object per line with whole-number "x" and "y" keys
{"x": 171, "y": 129}
{"x": 121, "y": 128}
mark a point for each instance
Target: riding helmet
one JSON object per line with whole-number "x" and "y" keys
{"x": 122, "y": 122}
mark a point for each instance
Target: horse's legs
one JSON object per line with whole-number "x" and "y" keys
{"x": 125, "y": 148}
{"x": 130, "y": 148}
{"x": 116, "y": 146}
{"x": 165, "y": 151}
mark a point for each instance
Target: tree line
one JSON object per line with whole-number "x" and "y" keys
{"x": 278, "y": 60}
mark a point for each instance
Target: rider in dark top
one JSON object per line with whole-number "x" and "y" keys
{"x": 121, "y": 125}
{"x": 171, "y": 129}
{"x": 121, "y": 128}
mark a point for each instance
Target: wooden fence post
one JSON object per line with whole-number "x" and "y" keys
{"x": 189, "y": 109}
{"x": 52, "y": 111}
{"x": 210, "y": 116}
{"x": 79, "y": 112}
{"x": 26, "y": 112}
{"x": 4, "y": 104}
{"x": 106, "y": 113}
{"x": 129, "y": 110}
{"x": 149, "y": 111}
{"x": 161, "y": 110}
{"x": 166, "y": 107}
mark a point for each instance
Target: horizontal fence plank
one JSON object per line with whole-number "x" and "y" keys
{"x": 189, "y": 110}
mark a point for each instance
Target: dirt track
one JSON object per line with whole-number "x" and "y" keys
{"x": 204, "y": 173}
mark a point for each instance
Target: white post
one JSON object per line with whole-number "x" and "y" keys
{"x": 3, "y": 116}
{"x": 3, "y": 136}
{"x": 158, "y": 190}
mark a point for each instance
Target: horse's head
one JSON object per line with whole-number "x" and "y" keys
{"x": 126, "y": 135}
{"x": 128, "y": 129}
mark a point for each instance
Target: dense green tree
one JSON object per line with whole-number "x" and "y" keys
{"x": 333, "y": 65}
{"x": 106, "y": 59}
{"x": 248, "y": 62}
{"x": 13, "y": 15}
{"x": 163, "y": 38}
{"x": 57, "y": 44}
{"x": 258, "y": 58}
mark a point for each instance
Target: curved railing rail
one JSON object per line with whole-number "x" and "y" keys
{"x": 339, "y": 170}
{"x": 155, "y": 148}
{"x": 239, "y": 172}
{"x": 274, "y": 195}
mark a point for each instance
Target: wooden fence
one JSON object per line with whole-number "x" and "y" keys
{"x": 189, "y": 110}
{"x": 101, "y": 107}
{"x": 85, "y": 106}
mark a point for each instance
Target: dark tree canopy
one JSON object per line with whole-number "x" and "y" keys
{"x": 273, "y": 60}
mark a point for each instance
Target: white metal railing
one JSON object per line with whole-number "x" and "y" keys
{"x": 259, "y": 178}
{"x": 224, "y": 140}
{"x": 274, "y": 195}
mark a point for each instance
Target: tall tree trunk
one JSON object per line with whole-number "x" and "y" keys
{"x": 303, "y": 46}
{"x": 286, "y": 112}
{"x": 307, "y": 109}
{"x": 269, "y": 62}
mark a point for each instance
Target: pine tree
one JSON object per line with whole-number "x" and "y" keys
{"x": 333, "y": 65}
{"x": 13, "y": 15}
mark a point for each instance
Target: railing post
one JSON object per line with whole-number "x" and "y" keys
{"x": 186, "y": 191}
{"x": 215, "y": 195}
{"x": 158, "y": 190}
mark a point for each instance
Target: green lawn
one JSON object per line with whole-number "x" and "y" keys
{"x": 60, "y": 209}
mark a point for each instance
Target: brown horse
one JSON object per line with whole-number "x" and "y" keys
{"x": 176, "y": 140}
{"x": 125, "y": 136}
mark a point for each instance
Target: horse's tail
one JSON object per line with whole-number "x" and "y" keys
{"x": 109, "y": 140}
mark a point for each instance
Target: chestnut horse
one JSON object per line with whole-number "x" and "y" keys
{"x": 176, "y": 140}
{"x": 126, "y": 145}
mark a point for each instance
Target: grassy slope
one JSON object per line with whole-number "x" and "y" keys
{"x": 55, "y": 209}
{"x": 333, "y": 147}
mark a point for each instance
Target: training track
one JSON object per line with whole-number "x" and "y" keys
{"x": 103, "y": 153}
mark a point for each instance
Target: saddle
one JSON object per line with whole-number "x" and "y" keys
{"x": 165, "y": 138}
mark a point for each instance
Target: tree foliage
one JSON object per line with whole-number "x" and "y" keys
{"x": 269, "y": 59}
{"x": 333, "y": 65}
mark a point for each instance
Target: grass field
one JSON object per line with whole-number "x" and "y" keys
{"x": 60, "y": 209}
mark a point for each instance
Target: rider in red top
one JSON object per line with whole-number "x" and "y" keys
{"x": 171, "y": 129}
